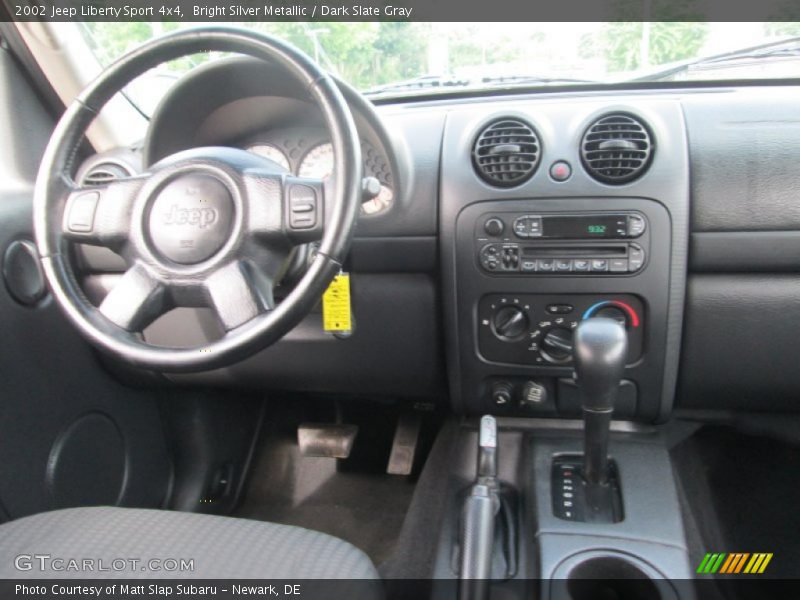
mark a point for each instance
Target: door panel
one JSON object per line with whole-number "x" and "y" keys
{"x": 70, "y": 434}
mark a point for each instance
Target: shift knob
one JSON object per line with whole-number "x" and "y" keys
{"x": 600, "y": 349}
{"x": 601, "y": 346}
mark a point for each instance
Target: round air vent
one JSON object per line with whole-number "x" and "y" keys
{"x": 506, "y": 152}
{"x": 104, "y": 173}
{"x": 617, "y": 148}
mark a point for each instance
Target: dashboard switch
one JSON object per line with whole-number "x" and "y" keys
{"x": 563, "y": 264}
{"x": 635, "y": 226}
{"x": 302, "y": 207}
{"x": 559, "y": 309}
{"x": 502, "y": 392}
{"x": 546, "y": 264}
{"x": 494, "y": 227}
{"x": 581, "y": 265}
{"x": 560, "y": 170}
{"x": 635, "y": 258}
{"x": 510, "y": 323}
{"x": 618, "y": 265}
{"x": 80, "y": 212}
{"x": 533, "y": 394}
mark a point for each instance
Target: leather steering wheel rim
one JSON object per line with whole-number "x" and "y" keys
{"x": 239, "y": 174}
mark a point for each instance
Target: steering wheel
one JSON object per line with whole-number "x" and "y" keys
{"x": 204, "y": 227}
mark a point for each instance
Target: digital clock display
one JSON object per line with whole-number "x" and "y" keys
{"x": 611, "y": 226}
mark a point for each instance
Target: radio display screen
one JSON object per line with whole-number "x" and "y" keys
{"x": 585, "y": 226}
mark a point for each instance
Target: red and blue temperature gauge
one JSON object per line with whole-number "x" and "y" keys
{"x": 632, "y": 315}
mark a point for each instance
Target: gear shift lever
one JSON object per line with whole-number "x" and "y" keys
{"x": 600, "y": 350}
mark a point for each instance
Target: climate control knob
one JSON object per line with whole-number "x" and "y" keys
{"x": 613, "y": 312}
{"x": 510, "y": 323}
{"x": 557, "y": 345}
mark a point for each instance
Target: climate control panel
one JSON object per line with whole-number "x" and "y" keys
{"x": 537, "y": 329}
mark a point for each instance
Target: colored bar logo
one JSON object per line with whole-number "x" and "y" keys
{"x": 734, "y": 563}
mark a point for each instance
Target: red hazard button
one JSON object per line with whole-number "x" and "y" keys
{"x": 560, "y": 170}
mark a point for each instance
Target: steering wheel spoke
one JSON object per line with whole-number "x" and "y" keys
{"x": 101, "y": 216}
{"x": 136, "y": 300}
{"x": 238, "y": 293}
{"x": 285, "y": 209}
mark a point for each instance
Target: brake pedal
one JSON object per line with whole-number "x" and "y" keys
{"x": 328, "y": 440}
{"x": 404, "y": 446}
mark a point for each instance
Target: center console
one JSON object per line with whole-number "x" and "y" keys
{"x": 528, "y": 271}
{"x": 564, "y": 228}
{"x": 524, "y": 264}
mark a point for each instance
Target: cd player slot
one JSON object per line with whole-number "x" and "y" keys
{"x": 605, "y": 251}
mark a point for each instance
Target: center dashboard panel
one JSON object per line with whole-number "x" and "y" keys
{"x": 524, "y": 264}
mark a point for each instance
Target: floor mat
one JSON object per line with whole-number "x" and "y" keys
{"x": 354, "y": 499}
{"x": 748, "y": 484}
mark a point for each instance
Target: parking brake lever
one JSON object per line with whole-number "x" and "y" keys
{"x": 478, "y": 518}
{"x": 487, "y": 452}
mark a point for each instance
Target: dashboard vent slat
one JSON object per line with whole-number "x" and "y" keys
{"x": 617, "y": 148}
{"x": 103, "y": 173}
{"x": 506, "y": 152}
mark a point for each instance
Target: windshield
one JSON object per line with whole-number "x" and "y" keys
{"x": 411, "y": 58}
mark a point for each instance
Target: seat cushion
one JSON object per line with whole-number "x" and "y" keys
{"x": 220, "y": 547}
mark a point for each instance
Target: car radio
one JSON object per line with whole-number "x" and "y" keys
{"x": 556, "y": 244}
{"x": 575, "y": 226}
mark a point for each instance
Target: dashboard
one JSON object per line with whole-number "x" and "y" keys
{"x": 503, "y": 221}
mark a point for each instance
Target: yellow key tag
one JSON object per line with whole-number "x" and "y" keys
{"x": 336, "y": 312}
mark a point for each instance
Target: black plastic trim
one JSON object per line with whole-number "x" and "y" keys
{"x": 745, "y": 252}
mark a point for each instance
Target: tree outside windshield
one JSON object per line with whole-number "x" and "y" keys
{"x": 376, "y": 56}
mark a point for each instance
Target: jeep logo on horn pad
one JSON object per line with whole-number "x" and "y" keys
{"x": 202, "y": 217}
{"x": 190, "y": 219}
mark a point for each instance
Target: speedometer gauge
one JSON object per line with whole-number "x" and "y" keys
{"x": 318, "y": 162}
{"x": 271, "y": 152}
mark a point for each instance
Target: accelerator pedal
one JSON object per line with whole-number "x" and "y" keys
{"x": 404, "y": 447}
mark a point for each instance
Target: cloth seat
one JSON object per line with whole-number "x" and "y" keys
{"x": 219, "y": 547}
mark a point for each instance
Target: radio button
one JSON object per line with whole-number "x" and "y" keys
{"x": 494, "y": 227}
{"x": 635, "y": 258}
{"x": 545, "y": 264}
{"x": 636, "y": 226}
{"x": 581, "y": 265}
{"x": 599, "y": 264}
{"x": 618, "y": 265}
{"x": 528, "y": 227}
{"x": 528, "y": 266}
{"x": 563, "y": 264}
